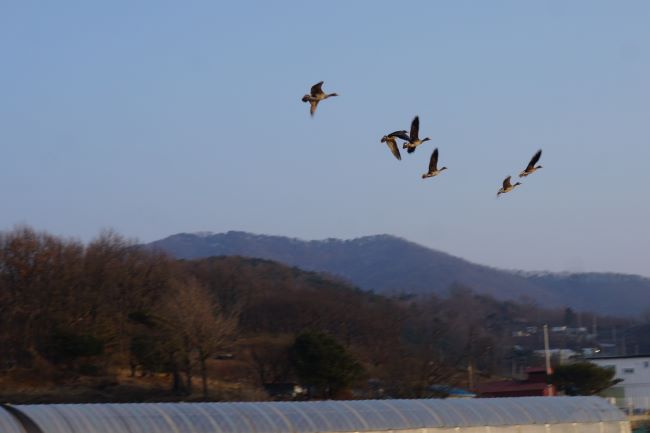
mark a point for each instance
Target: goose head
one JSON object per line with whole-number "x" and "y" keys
{"x": 306, "y": 98}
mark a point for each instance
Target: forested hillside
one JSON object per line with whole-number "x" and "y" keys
{"x": 112, "y": 321}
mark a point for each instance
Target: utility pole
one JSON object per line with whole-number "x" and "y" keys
{"x": 547, "y": 355}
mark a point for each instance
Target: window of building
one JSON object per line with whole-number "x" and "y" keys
{"x": 628, "y": 371}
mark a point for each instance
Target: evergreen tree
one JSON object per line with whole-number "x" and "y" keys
{"x": 324, "y": 364}
{"x": 583, "y": 378}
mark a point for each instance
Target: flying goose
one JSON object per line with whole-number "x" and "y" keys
{"x": 433, "y": 165}
{"x": 316, "y": 96}
{"x": 391, "y": 141}
{"x": 531, "y": 165}
{"x": 414, "y": 140}
{"x": 507, "y": 187}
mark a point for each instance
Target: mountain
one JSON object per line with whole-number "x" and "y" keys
{"x": 391, "y": 265}
{"x": 610, "y": 293}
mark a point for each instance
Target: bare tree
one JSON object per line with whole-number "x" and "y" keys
{"x": 200, "y": 326}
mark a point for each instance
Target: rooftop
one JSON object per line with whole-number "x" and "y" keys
{"x": 306, "y": 417}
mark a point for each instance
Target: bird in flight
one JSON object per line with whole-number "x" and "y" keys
{"x": 414, "y": 140}
{"x": 531, "y": 165}
{"x": 391, "y": 141}
{"x": 433, "y": 165}
{"x": 507, "y": 186}
{"x": 316, "y": 95}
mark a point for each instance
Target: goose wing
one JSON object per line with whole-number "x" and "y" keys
{"x": 534, "y": 160}
{"x": 392, "y": 145}
{"x": 316, "y": 89}
{"x": 415, "y": 127}
{"x": 312, "y": 107}
{"x": 433, "y": 162}
{"x": 400, "y": 134}
{"x": 506, "y": 183}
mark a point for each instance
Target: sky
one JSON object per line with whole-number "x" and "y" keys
{"x": 159, "y": 117}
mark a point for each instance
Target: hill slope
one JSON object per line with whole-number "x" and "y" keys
{"x": 387, "y": 264}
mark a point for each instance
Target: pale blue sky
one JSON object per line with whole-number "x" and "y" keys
{"x": 157, "y": 117}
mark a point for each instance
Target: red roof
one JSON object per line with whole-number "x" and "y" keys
{"x": 509, "y": 388}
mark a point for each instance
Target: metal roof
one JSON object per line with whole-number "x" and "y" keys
{"x": 310, "y": 417}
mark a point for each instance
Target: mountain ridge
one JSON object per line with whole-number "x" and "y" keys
{"x": 390, "y": 264}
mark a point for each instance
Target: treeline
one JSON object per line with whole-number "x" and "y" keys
{"x": 70, "y": 310}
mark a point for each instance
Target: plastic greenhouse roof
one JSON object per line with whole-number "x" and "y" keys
{"x": 310, "y": 417}
{"x": 9, "y": 424}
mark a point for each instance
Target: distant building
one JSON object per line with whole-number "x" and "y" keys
{"x": 634, "y": 370}
{"x": 581, "y": 330}
{"x": 559, "y": 356}
{"x": 590, "y": 352}
{"x": 531, "y": 329}
{"x": 520, "y": 334}
{"x": 535, "y": 384}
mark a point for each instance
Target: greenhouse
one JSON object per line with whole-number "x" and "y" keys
{"x": 523, "y": 414}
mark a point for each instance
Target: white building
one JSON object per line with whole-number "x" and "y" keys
{"x": 634, "y": 370}
{"x": 560, "y": 356}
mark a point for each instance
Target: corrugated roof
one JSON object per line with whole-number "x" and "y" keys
{"x": 311, "y": 417}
